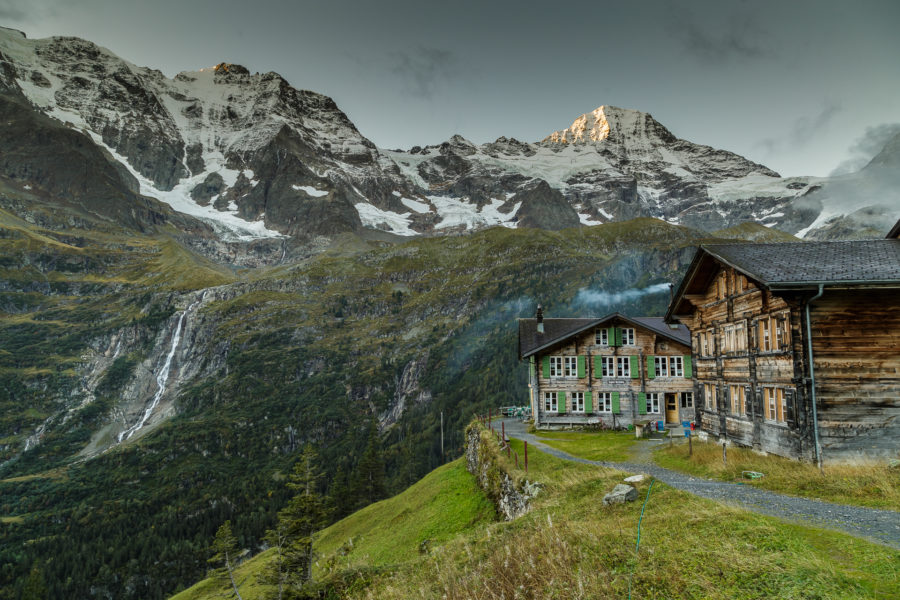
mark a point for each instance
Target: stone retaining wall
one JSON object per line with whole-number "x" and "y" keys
{"x": 510, "y": 496}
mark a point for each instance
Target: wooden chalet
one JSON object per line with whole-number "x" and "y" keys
{"x": 614, "y": 370}
{"x": 796, "y": 346}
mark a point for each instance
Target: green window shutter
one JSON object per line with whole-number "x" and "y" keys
{"x": 651, "y": 367}
{"x": 618, "y": 336}
{"x": 635, "y": 366}
{"x": 598, "y": 367}
{"x": 588, "y": 403}
{"x": 545, "y": 367}
{"x": 615, "y": 403}
{"x": 611, "y": 336}
{"x": 560, "y": 402}
{"x": 581, "y": 367}
{"x": 642, "y": 403}
{"x": 688, "y": 372}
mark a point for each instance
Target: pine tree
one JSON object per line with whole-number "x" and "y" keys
{"x": 303, "y": 516}
{"x": 225, "y": 549}
{"x": 369, "y": 484}
{"x": 35, "y": 588}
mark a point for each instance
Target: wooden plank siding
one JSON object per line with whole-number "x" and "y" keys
{"x": 629, "y": 389}
{"x": 730, "y": 355}
{"x": 856, "y": 350}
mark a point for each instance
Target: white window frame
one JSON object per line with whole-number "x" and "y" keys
{"x": 570, "y": 366}
{"x": 687, "y": 399}
{"x": 551, "y": 402}
{"x": 661, "y": 364}
{"x": 738, "y": 400}
{"x": 709, "y": 396}
{"x": 653, "y": 402}
{"x": 628, "y": 336}
{"x": 607, "y": 366}
{"x": 773, "y": 401}
{"x": 576, "y": 401}
{"x": 556, "y": 366}
{"x": 676, "y": 366}
{"x": 601, "y": 337}
{"x": 604, "y": 402}
{"x": 623, "y": 366}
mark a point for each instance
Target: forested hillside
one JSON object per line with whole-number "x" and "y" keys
{"x": 357, "y": 351}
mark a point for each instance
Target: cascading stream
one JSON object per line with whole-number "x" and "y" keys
{"x": 162, "y": 377}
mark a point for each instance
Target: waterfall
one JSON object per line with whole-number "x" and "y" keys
{"x": 162, "y": 377}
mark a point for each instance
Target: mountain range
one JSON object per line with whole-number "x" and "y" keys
{"x": 199, "y": 275}
{"x": 260, "y": 164}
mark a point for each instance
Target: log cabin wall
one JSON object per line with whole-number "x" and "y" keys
{"x": 630, "y": 387}
{"x": 749, "y": 357}
{"x": 856, "y": 350}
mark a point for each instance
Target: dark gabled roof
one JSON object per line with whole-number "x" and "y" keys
{"x": 894, "y": 233}
{"x": 792, "y": 266}
{"x": 774, "y": 265}
{"x": 560, "y": 330}
{"x": 677, "y": 332}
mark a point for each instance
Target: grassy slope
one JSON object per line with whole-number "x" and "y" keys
{"x": 612, "y": 446}
{"x": 876, "y": 486}
{"x": 437, "y": 508}
{"x": 570, "y": 546}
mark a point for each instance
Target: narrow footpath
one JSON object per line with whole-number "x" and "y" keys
{"x": 882, "y": 526}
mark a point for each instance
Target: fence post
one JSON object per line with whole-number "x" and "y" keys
{"x": 491, "y": 418}
{"x": 526, "y": 457}
{"x": 503, "y": 429}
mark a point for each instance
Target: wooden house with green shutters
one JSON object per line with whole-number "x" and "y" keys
{"x": 615, "y": 370}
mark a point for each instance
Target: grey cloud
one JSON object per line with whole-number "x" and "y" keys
{"x": 739, "y": 38}
{"x": 803, "y": 130}
{"x": 424, "y": 70}
{"x": 870, "y": 143}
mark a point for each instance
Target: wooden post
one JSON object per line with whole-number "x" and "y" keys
{"x": 690, "y": 445}
{"x": 526, "y": 457}
{"x": 724, "y": 454}
{"x": 503, "y": 429}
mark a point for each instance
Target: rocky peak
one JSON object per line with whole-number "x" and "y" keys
{"x": 613, "y": 124}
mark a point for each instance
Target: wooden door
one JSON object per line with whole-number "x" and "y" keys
{"x": 671, "y": 408}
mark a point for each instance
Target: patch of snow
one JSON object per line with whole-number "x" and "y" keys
{"x": 586, "y": 219}
{"x": 310, "y": 191}
{"x": 179, "y": 198}
{"x": 605, "y": 214}
{"x": 455, "y": 212}
{"x": 384, "y": 220}
{"x": 419, "y": 207}
{"x": 26, "y": 187}
{"x": 396, "y": 193}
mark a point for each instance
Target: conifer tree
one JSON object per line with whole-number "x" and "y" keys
{"x": 225, "y": 549}
{"x": 369, "y": 484}
{"x": 303, "y": 516}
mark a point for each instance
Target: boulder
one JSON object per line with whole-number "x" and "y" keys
{"x": 620, "y": 495}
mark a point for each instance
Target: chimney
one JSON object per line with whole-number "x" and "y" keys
{"x": 540, "y": 319}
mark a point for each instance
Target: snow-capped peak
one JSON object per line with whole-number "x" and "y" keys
{"x": 611, "y": 122}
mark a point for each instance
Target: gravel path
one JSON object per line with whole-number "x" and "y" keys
{"x": 881, "y": 526}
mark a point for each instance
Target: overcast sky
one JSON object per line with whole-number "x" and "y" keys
{"x": 802, "y": 87}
